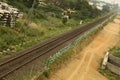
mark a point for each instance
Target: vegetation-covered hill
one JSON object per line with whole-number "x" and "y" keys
{"x": 56, "y": 6}
{"x": 45, "y": 21}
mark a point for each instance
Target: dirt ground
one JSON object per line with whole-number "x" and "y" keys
{"x": 85, "y": 65}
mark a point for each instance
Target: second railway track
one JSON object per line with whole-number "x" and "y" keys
{"x": 23, "y": 58}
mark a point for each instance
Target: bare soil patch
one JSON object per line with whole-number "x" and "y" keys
{"x": 85, "y": 64}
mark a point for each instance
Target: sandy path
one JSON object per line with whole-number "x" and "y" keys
{"x": 84, "y": 66}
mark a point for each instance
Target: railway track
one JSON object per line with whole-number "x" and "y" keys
{"x": 25, "y": 57}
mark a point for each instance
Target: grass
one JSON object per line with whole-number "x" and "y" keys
{"x": 21, "y": 37}
{"x": 109, "y": 74}
{"x": 115, "y": 51}
{"x": 12, "y": 39}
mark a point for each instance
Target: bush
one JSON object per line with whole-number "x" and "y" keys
{"x": 47, "y": 73}
{"x": 115, "y": 51}
{"x": 39, "y": 14}
{"x": 57, "y": 11}
{"x": 77, "y": 15}
{"x": 33, "y": 32}
{"x": 8, "y": 37}
{"x": 3, "y": 44}
{"x": 52, "y": 8}
{"x": 64, "y": 20}
{"x": 18, "y": 4}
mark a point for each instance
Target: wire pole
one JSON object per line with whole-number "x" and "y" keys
{"x": 29, "y": 16}
{"x": 30, "y": 13}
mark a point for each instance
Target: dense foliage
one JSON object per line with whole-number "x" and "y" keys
{"x": 81, "y": 7}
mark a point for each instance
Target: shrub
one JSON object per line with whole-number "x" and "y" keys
{"x": 8, "y": 37}
{"x": 33, "y": 32}
{"x": 64, "y": 20}
{"x": 115, "y": 51}
{"x": 77, "y": 15}
{"x": 3, "y": 44}
{"x": 47, "y": 73}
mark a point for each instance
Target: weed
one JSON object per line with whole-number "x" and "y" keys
{"x": 46, "y": 73}
{"x": 111, "y": 76}
{"x": 115, "y": 51}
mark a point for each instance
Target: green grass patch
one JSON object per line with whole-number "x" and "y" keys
{"x": 22, "y": 37}
{"x": 109, "y": 74}
{"x": 115, "y": 51}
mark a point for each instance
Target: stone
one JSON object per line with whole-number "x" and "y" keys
{"x": 105, "y": 60}
{"x": 8, "y": 14}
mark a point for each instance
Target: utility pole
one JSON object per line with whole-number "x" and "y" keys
{"x": 30, "y": 13}
{"x": 29, "y": 16}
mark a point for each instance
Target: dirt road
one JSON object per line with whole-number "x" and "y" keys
{"x": 84, "y": 66}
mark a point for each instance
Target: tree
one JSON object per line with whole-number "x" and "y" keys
{"x": 106, "y": 8}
